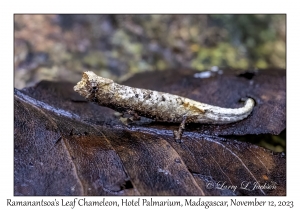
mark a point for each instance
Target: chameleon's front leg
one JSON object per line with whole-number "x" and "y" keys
{"x": 178, "y": 134}
{"x": 135, "y": 116}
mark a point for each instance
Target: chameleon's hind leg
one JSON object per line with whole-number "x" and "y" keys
{"x": 179, "y": 132}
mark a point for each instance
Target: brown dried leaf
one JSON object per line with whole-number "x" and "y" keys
{"x": 66, "y": 146}
{"x": 267, "y": 87}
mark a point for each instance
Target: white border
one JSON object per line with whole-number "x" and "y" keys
{"x": 8, "y": 8}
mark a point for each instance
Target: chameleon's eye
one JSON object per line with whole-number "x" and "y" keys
{"x": 94, "y": 86}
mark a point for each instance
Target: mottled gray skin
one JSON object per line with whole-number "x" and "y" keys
{"x": 156, "y": 105}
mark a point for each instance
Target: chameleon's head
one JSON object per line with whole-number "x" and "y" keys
{"x": 90, "y": 84}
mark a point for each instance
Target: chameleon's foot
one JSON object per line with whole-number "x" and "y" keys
{"x": 128, "y": 116}
{"x": 178, "y": 134}
{"x": 134, "y": 115}
{"x": 177, "y": 137}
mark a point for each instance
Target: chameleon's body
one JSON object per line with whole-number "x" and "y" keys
{"x": 156, "y": 105}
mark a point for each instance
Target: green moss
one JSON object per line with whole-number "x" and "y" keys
{"x": 125, "y": 44}
{"x": 94, "y": 59}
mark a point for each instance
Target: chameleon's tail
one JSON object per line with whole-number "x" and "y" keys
{"x": 218, "y": 115}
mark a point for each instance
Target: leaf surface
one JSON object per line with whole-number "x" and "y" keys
{"x": 67, "y": 146}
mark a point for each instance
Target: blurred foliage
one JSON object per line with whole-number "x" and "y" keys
{"x": 61, "y": 47}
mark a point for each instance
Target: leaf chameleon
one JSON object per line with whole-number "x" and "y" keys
{"x": 163, "y": 107}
